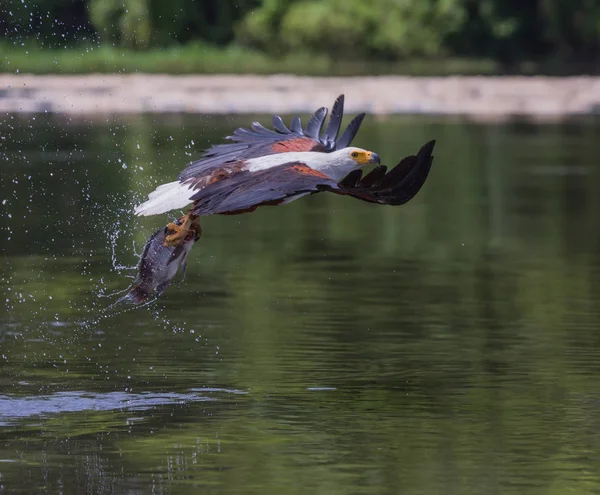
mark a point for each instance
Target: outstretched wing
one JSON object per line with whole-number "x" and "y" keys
{"x": 246, "y": 191}
{"x": 260, "y": 141}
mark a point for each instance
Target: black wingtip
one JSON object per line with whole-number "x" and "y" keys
{"x": 352, "y": 179}
{"x": 375, "y": 177}
{"x": 417, "y": 182}
{"x": 427, "y": 149}
{"x": 408, "y": 187}
{"x": 400, "y": 171}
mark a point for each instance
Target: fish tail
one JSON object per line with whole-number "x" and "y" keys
{"x": 136, "y": 295}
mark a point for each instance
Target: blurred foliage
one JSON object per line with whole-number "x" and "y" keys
{"x": 387, "y": 28}
{"x": 508, "y": 31}
{"x": 199, "y": 58}
{"x": 126, "y": 21}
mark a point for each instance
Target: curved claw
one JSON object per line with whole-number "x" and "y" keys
{"x": 180, "y": 231}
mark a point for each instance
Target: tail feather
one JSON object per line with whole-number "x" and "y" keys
{"x": 166, "y": 197}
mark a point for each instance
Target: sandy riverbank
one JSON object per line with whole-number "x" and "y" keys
{"x": 481, "y": 97}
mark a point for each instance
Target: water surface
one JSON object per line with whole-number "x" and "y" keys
{"x": 451, "y": 345}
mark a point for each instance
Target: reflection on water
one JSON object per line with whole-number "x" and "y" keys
{"x": 14, "y": 408}
{"x": 328, "y": 346}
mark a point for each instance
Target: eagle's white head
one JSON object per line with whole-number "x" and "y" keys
{"x": 339, "y": 163}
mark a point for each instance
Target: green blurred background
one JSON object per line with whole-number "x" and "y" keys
{"x": 301, "y": 36}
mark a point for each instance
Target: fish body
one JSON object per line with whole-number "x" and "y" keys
{"x": 159, "y": 264}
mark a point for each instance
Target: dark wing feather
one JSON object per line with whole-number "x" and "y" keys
{"x": 248, "y": 190}
{"x": 279, "y": 125}
{"x": 348, "y": 135}
{"x": 296, "y": 125}
{"x": 244, "y": 135}
{"x": 260, "y": 141}
{"x": 263, "y": 131}
{"x": 313, "y": 128}
{"x": 335, "y": 122}
{"x": 399, "y": 172}
{"x": 351, "y": 180}
{"x": 374, "y": 177}
{"x": 396, "y": 187}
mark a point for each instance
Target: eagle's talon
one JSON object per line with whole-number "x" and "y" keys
{"x": 176, "y": 238}
{"x": 180, "y": 231}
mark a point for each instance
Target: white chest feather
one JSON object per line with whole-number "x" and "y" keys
{"x": 335, "y": 165}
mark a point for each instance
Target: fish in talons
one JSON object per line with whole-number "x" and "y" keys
{"x": 162, "y": 259}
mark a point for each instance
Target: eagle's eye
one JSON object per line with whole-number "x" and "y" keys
{"x": 354, "y": 154}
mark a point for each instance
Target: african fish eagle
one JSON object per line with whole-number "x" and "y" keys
{"x": 272, "y": 167}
